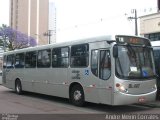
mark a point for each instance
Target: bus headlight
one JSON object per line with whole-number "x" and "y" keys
{"x": 121, "y": 88}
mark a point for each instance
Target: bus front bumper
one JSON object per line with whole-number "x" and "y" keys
{"x": 126, "y": 99}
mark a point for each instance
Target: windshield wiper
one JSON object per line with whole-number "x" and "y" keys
{"x": 146, "y": 56}
{"x": 132, "y": 52}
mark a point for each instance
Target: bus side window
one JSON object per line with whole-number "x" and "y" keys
{"x": 44, "y": 58}
{"x": 10, "y": 61}
{"x": 94, "y": 62}
{"x": 4, "y": 61}
{"x": 105, "y": 65}
{"x": 79, "y": 55}
{"x": 60, "y": 57}
{"x": 30, "y": 59}
{"x": 19, "y": 60}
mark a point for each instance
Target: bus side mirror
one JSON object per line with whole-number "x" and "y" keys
{"x": 115, "y": 51}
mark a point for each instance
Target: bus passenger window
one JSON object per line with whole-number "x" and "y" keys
{"x": 79, "y": 55}
{"x": 4, "y": 61}
{"x": 94, "y": 62}
{"x": 60, "y": 57}
{"x": 105, "y": 65}
{"x": 44, "y": 58}
{"x": 10, "y": 61}
{"x": 19, "y": 60}
{"x": 30, "y": 59}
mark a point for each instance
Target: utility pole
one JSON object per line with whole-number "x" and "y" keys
{"x": 49, "y": 36}
{"x": 135, "y": 18}
{"x": 158, "y": 4}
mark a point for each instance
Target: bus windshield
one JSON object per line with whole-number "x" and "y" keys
{"x": 134, "y": 62}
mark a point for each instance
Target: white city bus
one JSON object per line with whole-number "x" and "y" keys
{"x": 156, "y": 51}
{"x": 113, "y": 70}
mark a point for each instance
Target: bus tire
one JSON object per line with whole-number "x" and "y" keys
{"x": 18, "y": 87}
{"x": 77, "y": 95}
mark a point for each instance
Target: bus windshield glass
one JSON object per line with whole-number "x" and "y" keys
{"x": 134, "y": 62}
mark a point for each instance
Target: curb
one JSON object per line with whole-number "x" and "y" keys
{"x": 152, "y": 105}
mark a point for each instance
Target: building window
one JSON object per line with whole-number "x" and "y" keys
{"x": 79, "y": 55}
{"x": 153, "y": 36}
{"x": 60, "y": 57}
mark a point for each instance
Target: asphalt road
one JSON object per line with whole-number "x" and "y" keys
{"x": 31, "y": 105}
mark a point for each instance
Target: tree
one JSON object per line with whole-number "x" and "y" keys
{"x": 13, "y": 39}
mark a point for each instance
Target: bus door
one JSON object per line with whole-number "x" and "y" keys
{"x": 105, "y": 88}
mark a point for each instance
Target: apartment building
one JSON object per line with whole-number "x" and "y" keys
{"x": 32, "y": 17}
{"x": 150, "y": 25}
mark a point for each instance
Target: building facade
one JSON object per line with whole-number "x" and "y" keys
{"x": 150, "y": 26}
{"x": 31, "y": 17}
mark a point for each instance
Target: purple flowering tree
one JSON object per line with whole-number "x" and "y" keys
{"x": 13, "y": 39}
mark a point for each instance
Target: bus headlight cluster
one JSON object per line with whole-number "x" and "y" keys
{"x": 121, "y": 88}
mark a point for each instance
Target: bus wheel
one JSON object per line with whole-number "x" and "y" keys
{"x": 18, "y": 87}
{"x": 77, "y": 96}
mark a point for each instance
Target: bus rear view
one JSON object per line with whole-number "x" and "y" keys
{"x": 135, "y": 80}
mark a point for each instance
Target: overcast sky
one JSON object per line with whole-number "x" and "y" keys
{"x": 83, "y": 11}
{"x": 88, "y": 18}
{"x": 4, "y": 12}
{"x": 85, "y": 18}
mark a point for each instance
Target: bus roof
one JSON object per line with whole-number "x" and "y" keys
{"x": 74, "y": 42}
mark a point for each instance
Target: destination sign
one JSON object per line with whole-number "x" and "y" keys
{"x": 132, "y": 40}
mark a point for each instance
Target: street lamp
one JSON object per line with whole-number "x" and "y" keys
{"x": 49, "y": 34}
